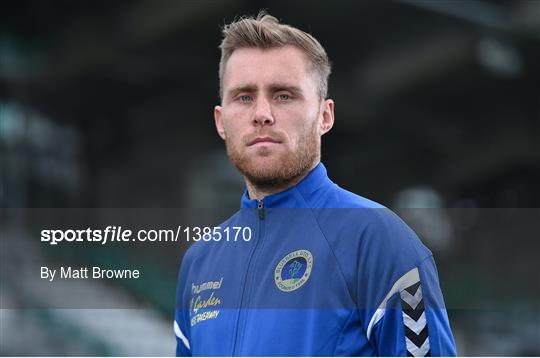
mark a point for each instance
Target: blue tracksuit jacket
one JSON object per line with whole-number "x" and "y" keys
{"x": 325, "y": 273}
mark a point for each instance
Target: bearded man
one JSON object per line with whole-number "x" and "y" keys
{"x": 325, "y": 272}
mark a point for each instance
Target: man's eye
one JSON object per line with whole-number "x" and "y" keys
{"x": 284, "y": 97}
{"x": 244, "y": 98}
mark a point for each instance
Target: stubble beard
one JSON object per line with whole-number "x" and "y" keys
{"x": 285, "y": 169}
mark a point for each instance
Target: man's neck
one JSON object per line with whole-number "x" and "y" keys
{"x": 259, "y": 193}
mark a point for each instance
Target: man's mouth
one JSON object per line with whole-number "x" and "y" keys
{"x": 263, "y": 140}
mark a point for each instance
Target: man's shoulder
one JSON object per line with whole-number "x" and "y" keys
{"x": 368, "y": 238}
{"x": 339, "y": 208}
{"x": 351, "y": 217}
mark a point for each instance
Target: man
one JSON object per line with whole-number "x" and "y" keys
{"x": 325, "y": 272}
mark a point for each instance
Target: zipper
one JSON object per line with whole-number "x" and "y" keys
{"x": 260, "y": 209}
{"x": 238, "y": 340}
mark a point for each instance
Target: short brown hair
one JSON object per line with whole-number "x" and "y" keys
{"x": 266, "y": 32}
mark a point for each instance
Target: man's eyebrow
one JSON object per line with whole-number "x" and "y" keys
{"x": 242, "y": 88}
{"x": 284, "y": 87}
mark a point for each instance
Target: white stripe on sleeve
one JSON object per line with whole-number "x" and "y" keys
{"x": 181, "y": 335}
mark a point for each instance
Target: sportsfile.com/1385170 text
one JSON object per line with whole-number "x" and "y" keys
{"x": 120, "y": 234}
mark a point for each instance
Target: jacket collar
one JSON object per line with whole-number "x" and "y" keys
{"x": 297, "y": 196}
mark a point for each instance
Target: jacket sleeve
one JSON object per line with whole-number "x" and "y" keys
{"x": 181, "y": 312}
{"x": 182, "y": 343}
{"x": 412, "y": 320}
{"x": 403, "y": 311}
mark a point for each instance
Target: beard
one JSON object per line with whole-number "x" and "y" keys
{"x": 282, "y": 168}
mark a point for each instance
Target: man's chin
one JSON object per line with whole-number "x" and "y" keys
{"x": 260, "y": 168}
{"x": 266, "y": 161}
{"x": 268, "y": 169}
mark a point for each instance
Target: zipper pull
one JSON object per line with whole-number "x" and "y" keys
{"x": 260, "y": 209}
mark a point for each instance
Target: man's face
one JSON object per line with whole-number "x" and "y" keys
{"x": 271, "y": 116}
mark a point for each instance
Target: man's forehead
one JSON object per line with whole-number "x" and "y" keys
{"x": 289, "y": 54}
{"x": 266, "y": 67}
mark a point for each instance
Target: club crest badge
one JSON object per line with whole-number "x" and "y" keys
{"x": 293, "y": 270}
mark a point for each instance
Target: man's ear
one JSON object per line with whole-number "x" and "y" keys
{"x": 327, "y": 114}
{"x": 219, "y": 123}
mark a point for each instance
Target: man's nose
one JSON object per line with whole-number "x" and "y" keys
{"x": 263, "y": 113}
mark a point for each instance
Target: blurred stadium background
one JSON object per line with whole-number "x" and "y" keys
{"x": 109, "y": 105}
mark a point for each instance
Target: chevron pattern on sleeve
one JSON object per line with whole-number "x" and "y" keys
{"x": 414, "y": 320}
